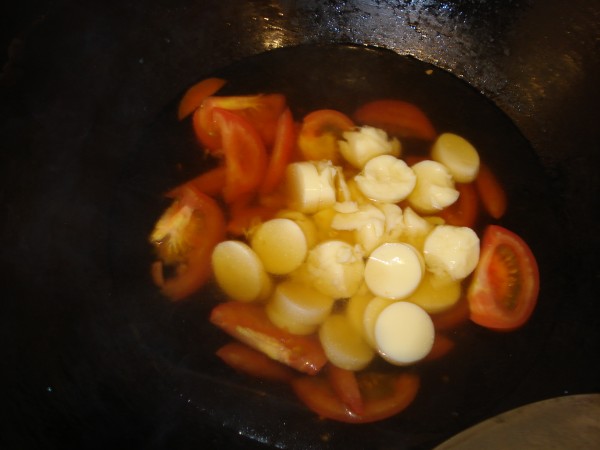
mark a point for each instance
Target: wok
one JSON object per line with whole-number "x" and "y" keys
{"x": 95, "y": 358}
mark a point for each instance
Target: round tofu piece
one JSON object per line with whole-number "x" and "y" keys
{"x": 239, "y": 272}
{"x": 458, "y": 155}
{"x": 452, "y": 250}
{"x": 336, "y": 268}
{"x": 280, "y": 244}
{"x": 393, "y": 270}
{"x": 404, "y": 333}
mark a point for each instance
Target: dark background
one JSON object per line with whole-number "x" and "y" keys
{"x": 84, "y": 80}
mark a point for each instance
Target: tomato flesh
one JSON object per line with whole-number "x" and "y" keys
{"x": 184, "y": 238}
{"x": 261, "y": 111}
{"x": 505, "y": 286}
{"x": 384, "y": 395}
{"x": 283, "y": 151}
{"x": 245, "y": 154}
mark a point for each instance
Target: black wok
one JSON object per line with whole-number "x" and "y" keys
{"x": 95, "y": 358}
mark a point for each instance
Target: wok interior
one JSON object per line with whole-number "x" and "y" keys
{"x": 92, "y": 144}
{"x": 485, "y": 367}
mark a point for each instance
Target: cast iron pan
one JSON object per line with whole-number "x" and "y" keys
{"x": 97, "y": 358}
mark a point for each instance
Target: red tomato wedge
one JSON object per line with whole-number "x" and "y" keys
{"x": 193, "y": 97}
{"x": 256, "y": 364}
{"x": 262, "y": 111}
{"x": 504, "y": 289}
{"x": 397, "y": 117}
{"x": 320, "y": 131}
{"x": 184, "y": 238}
{"x": 324, "y": 121}
{"x": 384, "y": 396}
{"x": 282, "y": 154}
{"x": 245, "y": 154}
{"x": 491, "y": 192}
{"x": 250, "y": 324}
{"x": 345, "y": 385}
{"x": 211, "y": 182}
{"x": 463, "y": 212}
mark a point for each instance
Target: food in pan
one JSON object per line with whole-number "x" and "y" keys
{"x": 339, "y": 245}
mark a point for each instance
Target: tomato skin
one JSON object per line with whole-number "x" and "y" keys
{"x": 261, "y": 111}
{"x": 491, "y": 192}
{"x": 463, "y": 212}
{"x": 254, "y": 363}
{"x": 195, "y": 269}
{"x": 282, "y": 153}
{"x": 397, "y": 118}
{"x": 193, "y": 97}
{"x": 245, "y": 154}
{"x": 250, "y": 324}
{"x": 384, "y": 396}
{"x": 504, "y": 290}
{"x": 213, "y": 181}
{"x": 320, "y": 131}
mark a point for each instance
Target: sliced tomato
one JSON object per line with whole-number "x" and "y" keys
{"x": 282, "y": 154}
{"x": 505, "y": 286}
{"x": 265, "y": 114}
{"x": 250, "y": 324}
{"x": 211, "y": 182}
{"x": 491, "y": 192}
{"x": 245, "y": 154}
{"x": 463, "y": 212}
{"x": 384, "y": 396}
{"x": 184, "y": 238}
{"x": 276, "y": 200}
{"x": 320, "y": 132}
{"x": 250, "y": 211}
{"x": 345, "y": 385}
{"x": 322, "y": 121}
{"x": 262, "y": 111}
{"x": 254, "y": 363}
{"x": 397, "y": 117}
{"x": 244, "y": 216}
{"x": 193, "y": 97}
